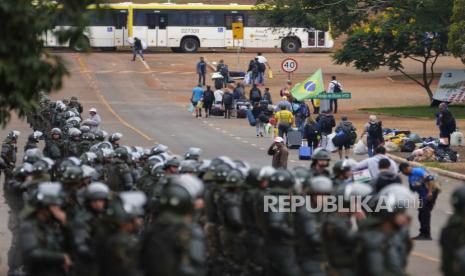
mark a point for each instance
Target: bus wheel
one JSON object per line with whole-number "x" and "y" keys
{"x": 290, "y": 45}
{"x": 189, "y": 45}
{"x": 176, "y": 49}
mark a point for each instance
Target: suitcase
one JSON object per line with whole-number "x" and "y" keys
{"x": 241, "y": 113}
{"x": 294, "y": 139}
{"x": 305, "y": 152}
{"x": 251, "y": 118}
{"x": 216, "y": 111}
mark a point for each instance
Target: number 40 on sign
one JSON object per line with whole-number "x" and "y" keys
{"x": 289, "y": 65}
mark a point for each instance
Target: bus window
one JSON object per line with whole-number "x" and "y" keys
{"x": 162, "y": 21}
{"x": 232, "y": 18}
{"x": 321, "y": 39}
{"x": 151, "y": 20}
{"x": 101, "y": 18}
{"x": 121, "y": 19}
{"x": 201, "y": 19}
{"x": 311, "y": 39}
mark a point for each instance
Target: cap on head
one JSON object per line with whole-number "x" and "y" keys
{"x": 373, "y": 118}
{"x": 278, "y": 140}
{"x": 93, "y": 109}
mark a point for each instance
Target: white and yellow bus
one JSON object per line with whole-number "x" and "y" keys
{"x": 186, "y": 28}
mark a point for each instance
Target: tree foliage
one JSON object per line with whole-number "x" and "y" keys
{"x": 408, "y": 31}
{"x": 26, "y": 67}
{"x": 457, "y": 30}
{"x": 380, "y": 32}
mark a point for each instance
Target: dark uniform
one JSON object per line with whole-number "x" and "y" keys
{"x": 83, "y": 231}
{"x": 119, "y": 173}
{"x": 173, "y": 245}
{"x": 42, "y": 239}
{"x": 55, "y": 147}
{"x": 453, "y": 236}
{"x": 279, "y": 230}
{"x": 8, "y": 154}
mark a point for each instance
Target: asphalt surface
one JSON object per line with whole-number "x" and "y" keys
{"x": 147, "y": 103}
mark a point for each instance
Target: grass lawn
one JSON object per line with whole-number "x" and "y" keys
{"x": 417, "y": 111}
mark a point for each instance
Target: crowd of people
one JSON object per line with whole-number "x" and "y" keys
{"x": 86, "y": 204}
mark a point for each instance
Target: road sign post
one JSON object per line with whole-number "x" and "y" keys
{"x": 289, "y": 65}
{"x": 238, "y": 35}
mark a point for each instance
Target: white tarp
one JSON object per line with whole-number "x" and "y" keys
{"x": 451, "y": 87}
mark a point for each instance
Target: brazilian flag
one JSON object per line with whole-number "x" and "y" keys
{"x": 310, "y": 87}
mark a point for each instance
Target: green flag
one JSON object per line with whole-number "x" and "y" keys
{"x": 310, "y": 87}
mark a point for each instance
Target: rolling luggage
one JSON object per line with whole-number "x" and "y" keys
{"x": 241, "y": 113}
{"x": 305, "y": 152}
{"x": 217, "y": 111}
{"x": 294, "y": 139}
{"x": 251, "y": 118}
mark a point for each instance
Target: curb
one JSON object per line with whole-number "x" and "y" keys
{"x": 442, "y": 172}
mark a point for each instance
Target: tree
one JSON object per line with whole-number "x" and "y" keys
{"x": 412, "y": 30}
{"x": 381, "y": 33}
{"x": 26, "y": 67}
{"x": 457, "y": 29}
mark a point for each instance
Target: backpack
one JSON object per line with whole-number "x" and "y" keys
{"x": 227, "y": 98}
{"x": 337, "y": 87}
{"x": 255, "y": 94}
{"x": 224, "y": 70}
{"x": 409, "y": 146}
{"x": 374, "y": 130}
{"x": 311, "y": 129}
{"x": 304, "y": 111}
{"x": 208, "y": 96}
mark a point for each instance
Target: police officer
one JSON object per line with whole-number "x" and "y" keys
{"x": 339, "y": 230}
{"x": 174, "y": 245}
{"x": 193, "y": 154}
{"x": 119, "y": 174}
{"x": 308, "y": 224}
{"x": 87, "y": 140}
{"x": 41, "y": 233}
{"x": 73, "y": 145}
{"x": 33, "y": 140}
{"x": 114, "y": 139}
{"x": 100, "y": 135}
{"x": 74, "y": 103}
{"x": 84, "y": 228}
{"x": 382, "y": 243}
{"x": 14, "y": 199}
{"x": 117, "y": 248}
{"x": 172, "y": 165}
{"x": 342, "y": 173}
{"x": 453, "y": 235}
{"x": 279, "y": 228}
{"x": 9, "y": 151}
{"x": 231, "y": 223}
{"x": 72, "y": 181}
{"x": 55, "y": 146}
{"x": 320, "y": 162}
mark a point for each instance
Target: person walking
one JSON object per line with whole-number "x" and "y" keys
{"x": 374, "y": 131}
{"x": 446, "y": 123}
{"x": 218, "y": 96}
{"x": 334, "y": 87}
{"x": 93, "y": 121}
{"x": 227, "y": 103}
{"x": 238, "y": 92}
{"x": 267, "y": 96}
{"x": 252, "y": 71}
{"x": 311, "y": 132}
{"x": 345, "y": 132}
{"x": 208, "y": 99}
{"x": 326, "y": 122}
{"x": 423, "y": 184}
{"x": 202, "y": 70}
{"x": 284, "y": 120}
{"x": 223, "y": 69}
{"x": 279, "y": 153}
{"x": 137, "y": 49}
{"x": 262, "y": 65}
{"x": 260, "y": 117}
{"x": 197, "y": 94}
{"x": 255, "y": 94}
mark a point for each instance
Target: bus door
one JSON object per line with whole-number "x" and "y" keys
{"x": 228, "y": 34}
{"x": 162, "y": 32}
{"x": 152, "y": 23}
{"x": 121, "y": 28}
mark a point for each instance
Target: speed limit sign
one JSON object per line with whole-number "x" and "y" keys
{"x": 289, "y": 65}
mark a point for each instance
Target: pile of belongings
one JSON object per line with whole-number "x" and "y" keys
{"x": 432, "y": 152}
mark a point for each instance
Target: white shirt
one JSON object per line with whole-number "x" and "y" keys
{"x": 218, "y": 95}
{"x": 93, "y": 122}
{"x": 262, "y": 59}
{"x": 372, "y": 165}
{"x": 332, "y": 84}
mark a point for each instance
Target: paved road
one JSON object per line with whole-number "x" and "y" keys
{"x": 141, "y": 100}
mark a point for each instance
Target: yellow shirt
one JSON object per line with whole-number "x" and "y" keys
{"x": 284, "y": 116}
